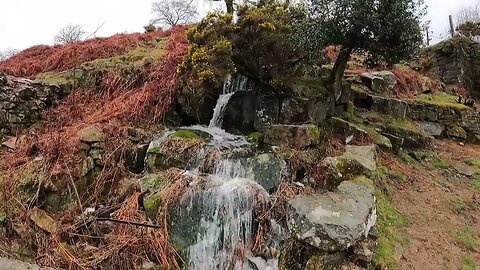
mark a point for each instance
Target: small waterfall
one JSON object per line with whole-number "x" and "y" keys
{"x": 224, "y": 238}
{"x": 225, "y": 229}
{"x": 232, "y": 84}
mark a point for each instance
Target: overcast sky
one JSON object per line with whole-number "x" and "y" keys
{"x": 24, "y": 23}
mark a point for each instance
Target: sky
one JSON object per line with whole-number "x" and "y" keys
{"x": 24, "y": 23}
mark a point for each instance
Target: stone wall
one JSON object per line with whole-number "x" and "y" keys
{"x": 22, "y": 101}
{"x": 448, "y": 68}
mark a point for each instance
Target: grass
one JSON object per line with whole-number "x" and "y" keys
{"x": 254, "y": 137}
{"x": 475, "y": 162}
{"x": 468, "y": 263}
{"x": 467, "y": 238}
{"x": 440, "y": 164}
{"x": 476, "y": 184}
{"x": 460, "y": 205}
{"x": 389, "y": 221}
{"x": 443, "y": 100}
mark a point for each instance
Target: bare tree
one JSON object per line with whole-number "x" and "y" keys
{"x": 468, "y": 14}
{"x": 69, "y": 34}
{"x": 173, "y": 12}
{"x": 4, "y": 55}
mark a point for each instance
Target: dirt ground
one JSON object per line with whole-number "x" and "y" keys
{"x": 441, "y": 199}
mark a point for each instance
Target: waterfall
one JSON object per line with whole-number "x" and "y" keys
{"x": 232, "y": 84}
{"x": 225, "y": 227}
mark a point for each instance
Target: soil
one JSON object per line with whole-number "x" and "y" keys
{"x": 441, "y": 200}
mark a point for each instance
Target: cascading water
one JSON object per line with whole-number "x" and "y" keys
{"x": 232, "y": 84}
{"x": 224, "y": 236}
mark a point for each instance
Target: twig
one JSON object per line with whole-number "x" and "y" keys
{"x": 133, "y": 223}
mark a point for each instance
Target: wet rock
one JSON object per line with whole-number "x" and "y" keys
{"x": 91, "y": 134}
{"x": 240, "y": 112}
{"x": 268, "y": 170}
{"x": 296, "y": 136}
{"x": 43, "y": 220}
{"x": 379, "y": 81}
{"x": 266, "y": 112}
{"x": 433, "y": 128}
{"x": 294, "y": 111}
{"x": 333, "y": 221}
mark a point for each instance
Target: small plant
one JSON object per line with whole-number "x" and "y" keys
{"x": 468, "y": 264}
{"x": 460, "y": 205}
{"x": 468, "y": 239}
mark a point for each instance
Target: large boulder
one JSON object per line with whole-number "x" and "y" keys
{"x": 357, "y": 160}
{"x": 294, "y": 111}
{"x": 333, "y": 221}
{"x": 380, "y": 82}
{"x": 296, "y": 136}
{"x": 266, "y": 112}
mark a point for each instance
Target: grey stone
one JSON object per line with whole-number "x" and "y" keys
{"x": 7, "y": 264}
{"x": 394, "y": 107}
{"x": 294, "y": 111}
{"x": 379, "y": 81}
{"x": 333, "y": 221}
{"x": 319, "y": 108}
{"x": 433, "y": 128}
{"x": 266, "y": 112}
{"x": 297, "y": 136}
{"x": 268, "y": 170}
{"x": 356, "y": 160}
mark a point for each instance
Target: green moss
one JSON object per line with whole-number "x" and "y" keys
{"x": 468, "y": 239}
{"x": 62, "y": 78}
{"x": 468, "y": 263}
{"x": 185, "y": 134}
{"x": 254, "y": 137}
{"x": 3, "y": 218}
{"x": 440, "y": 164}
{"x": 389, "y": 221}
{"x": 460, "y": 205}
{"x": 378, "y": 138}
{"x": 405, "y": 157}
{"x": 476, "y": 184}
{"x": 315, "y": 131}
{"x": 152, "y": 204}
{"x": 475, "y": 162}
{"x": 442, "y": 99}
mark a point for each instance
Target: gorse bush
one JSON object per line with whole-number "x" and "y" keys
{"x": 259, "y": 45}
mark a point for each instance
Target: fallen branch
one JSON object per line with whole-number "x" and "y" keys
{"x": 133, "y": 223}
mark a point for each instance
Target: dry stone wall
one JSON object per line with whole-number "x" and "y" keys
{"x": 23, "y": 100}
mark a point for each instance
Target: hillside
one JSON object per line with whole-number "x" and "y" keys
{"x": 129, "y": 152}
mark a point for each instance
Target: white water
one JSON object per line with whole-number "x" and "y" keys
{"x": 232, "y": 84}
{"x": 218, "y": 112}
{"x": 225, "y": 235}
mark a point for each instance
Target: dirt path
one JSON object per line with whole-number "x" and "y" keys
{"x": 442, "y": 203}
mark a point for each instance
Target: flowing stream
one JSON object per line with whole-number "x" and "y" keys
{"x": 225, "y": 233}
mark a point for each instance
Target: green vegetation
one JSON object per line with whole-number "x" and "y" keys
{"x": 440, "y": 164}
{"x": 468, "y": 263}
{"x": 129, "y": 64}
{"x": 468, "y": 239}
{"x": 3, "y": 218}
{"x": 461, "y": 205}
{"x": 442, "y": 99}
{"x": 475, "y": 162}
{"x": 389, "y": 221}
{"x": 476, "y": 184}
{"x": 185, "y": 134}
{"x": 254, "y": 137}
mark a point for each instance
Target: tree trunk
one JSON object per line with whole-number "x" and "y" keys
{"x": 229, "y": 4}
{"x": 338, "y": 70}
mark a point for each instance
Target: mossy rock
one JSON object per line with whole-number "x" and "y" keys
{"x": 152, "y": 204}
{"x": 254, "y": 137}
{"x": 413, "y": 135}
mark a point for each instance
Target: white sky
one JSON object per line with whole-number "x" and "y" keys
{"x": 24, "y": 23}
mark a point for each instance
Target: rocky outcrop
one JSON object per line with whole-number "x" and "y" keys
{"x": 380, "y": 82}
{"x": 334, "y": 221}
{"x": 23, "y": 100}
{"x": 296, "y": 136}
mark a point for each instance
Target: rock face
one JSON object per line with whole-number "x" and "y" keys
{"x": 22, "y": 101}
{"x": 297, "y": 136}
{"x": 356, "y": 160}
{"x": 380, "y": 81}
{"x": 334, "y": 221}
